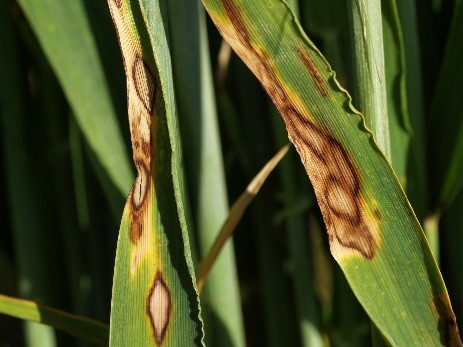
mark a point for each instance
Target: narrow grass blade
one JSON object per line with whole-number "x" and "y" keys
{"x": 154, "y": 297}
{"x": 372, "y": 229}
{"x": 275, "y": 281}
{"x": 236, "y": 212}
{"x": 451, "y": 236}
{"x": 60, "y": 192}
{"x": 417, "y": 181}
{"x": 407, "y": 156}
{"x": 343, "y": 317}
{"x": 368, "y": 50}
{"x": 329, "y": 21}
{"x": 194, "y": 89}
{"x": 81, "y": 327}
{"x": 397, "y": 106}
{"x": 64, "y": 33}
{"x": 275, "y": 292}
{"x": 446, "y": 124}
{"x": 23, "y": 206}
{"x": 299, "y": 246}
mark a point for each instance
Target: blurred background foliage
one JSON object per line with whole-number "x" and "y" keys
{"x": 66, "y": 166}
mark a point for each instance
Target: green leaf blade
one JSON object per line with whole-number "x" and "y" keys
{"x": 60, "y": 28}
{"x": 84, "y": 328}
{"x": 204, "y": 167}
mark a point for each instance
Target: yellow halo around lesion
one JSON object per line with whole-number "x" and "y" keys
{"x": 146, "y": 249}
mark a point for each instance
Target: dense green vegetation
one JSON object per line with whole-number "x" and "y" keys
{"x": 67, "y": 167}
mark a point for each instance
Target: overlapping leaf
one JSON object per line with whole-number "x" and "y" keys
{"x": 154, "y": 298}
{"x": 373, "y": 232}
{"x": 64, "y": 33}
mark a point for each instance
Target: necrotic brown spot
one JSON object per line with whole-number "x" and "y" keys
{"x": 146, "y": 148}
{"x": 448, "y": 328}
{"x": 137, "y": 198}
{"x": 237, "y": 22}
{"x": 141, "y": 185}
{"x": 159, "y": 308}
{"x": 136, "y": 230}
{"x": 316, "y": 77}
{"x": 118, "y": 3}
{"x": 333, "y": 174}
{"x": 145, "y": 84}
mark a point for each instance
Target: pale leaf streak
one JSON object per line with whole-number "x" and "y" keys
{"x": 144, "y": 82}
{"x": 118, "y": 3}
{"x": 236, "y": 212}
{"x": 159, "y": 308}
{"x": 223, "y": 61}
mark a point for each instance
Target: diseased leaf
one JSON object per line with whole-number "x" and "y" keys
{"x": 373, "y": 233}
{"x": 194, "y": 90}
{"x": 154, "y": 296}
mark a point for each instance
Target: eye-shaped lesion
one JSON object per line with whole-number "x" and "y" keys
{"x": 145, "y": 83}
{"x": 138, "y": 197}
{"x": 336, "y": 182}
{"x": 140, "y": 188}
{"x": 159, "y": 307}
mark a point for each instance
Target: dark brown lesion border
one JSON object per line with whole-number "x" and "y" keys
{"x": 148, "y": 101}
{"x": 159, "y": 333}
{"x": 313, "y": 71}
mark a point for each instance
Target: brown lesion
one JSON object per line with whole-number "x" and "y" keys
{"x": 447, "y": 324}
{"x": 313, "y": 71}
{"x": 159, "y": 308}
{"x": 138, "y": 196}
{"x": 336, "y": 182}
{"x": 118, "y": 3}
{"x": 145, "y": 83}
{"x": 146, "y": 148}
{"x": 334, "y": 176}
{"x": 136, "y": 230}
{"x": 237, "y": 22}
{"x": 141, "y": 186}
{"x": 142, "y": 127}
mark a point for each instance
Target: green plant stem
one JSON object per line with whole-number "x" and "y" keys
{"x": 195, "y": 99}
{"x": 370, "y": 89}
